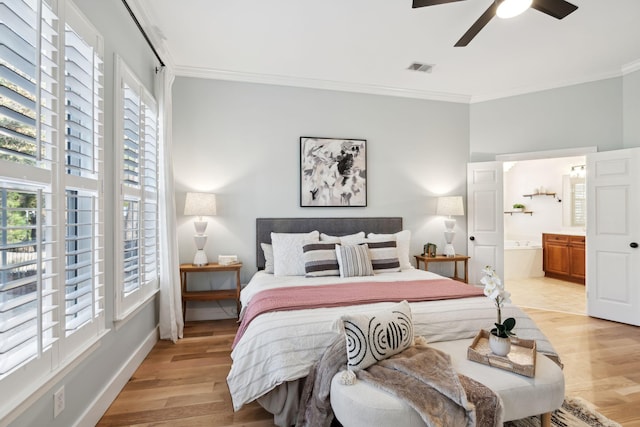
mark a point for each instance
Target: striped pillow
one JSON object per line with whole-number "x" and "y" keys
{"x": 384, "y": 256}
{"x": 320, "y": 259}
{"x": 354, "y": 260}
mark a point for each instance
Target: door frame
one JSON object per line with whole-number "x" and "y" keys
{"x": 534, "y": 155}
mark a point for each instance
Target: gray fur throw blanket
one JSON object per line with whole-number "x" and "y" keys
{"x": 421, "y": 375}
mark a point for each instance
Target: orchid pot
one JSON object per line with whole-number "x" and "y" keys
{"x": 499, "y": 346}
{"x": 499, "y": 338}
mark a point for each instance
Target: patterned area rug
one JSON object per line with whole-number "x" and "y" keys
{"x": 575, "y": 412}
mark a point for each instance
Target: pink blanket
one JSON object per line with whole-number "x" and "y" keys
{"x": 316, "y": 296}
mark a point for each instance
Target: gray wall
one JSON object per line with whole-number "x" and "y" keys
{"x": 241, "y": 141}
{"x": 84, "y": 383}
{"x": 631, "y": 109}
{"x": 248, "y": 151}
{"x": 584, "y": 115}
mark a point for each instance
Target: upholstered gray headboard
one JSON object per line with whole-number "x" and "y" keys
{"x": 332, "y": 226}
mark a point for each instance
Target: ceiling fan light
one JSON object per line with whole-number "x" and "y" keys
{"x": 511, "y": 8}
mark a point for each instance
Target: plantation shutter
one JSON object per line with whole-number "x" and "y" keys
{"x": 139, "y": 193}
{"x": 28, "y": 72}
{"x": 84, "y": 239}
{"x": 578, "y": 201}
{"x": 150, "y": 173}
{"x": 131, "y": 184}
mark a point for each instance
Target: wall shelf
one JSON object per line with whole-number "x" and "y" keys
{"x": 531, "y": 196}
{"x": 519, "y": 212}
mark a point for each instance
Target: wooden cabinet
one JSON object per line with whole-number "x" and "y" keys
{"x": 564, "y": 257}
{"x": 577, "y": 257}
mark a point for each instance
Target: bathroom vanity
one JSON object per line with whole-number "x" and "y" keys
{"x": 563, "y": 257}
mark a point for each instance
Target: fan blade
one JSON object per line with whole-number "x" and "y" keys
{"x": 423, "y": 3}
{"x": 477, "y": 26}
{"x": 556, "y": 8}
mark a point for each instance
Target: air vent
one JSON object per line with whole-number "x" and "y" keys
{"x": 418, "y": 66}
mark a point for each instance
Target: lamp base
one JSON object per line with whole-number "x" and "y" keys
{"x": 449, "y": 251}
{"x": 200, "y": 258}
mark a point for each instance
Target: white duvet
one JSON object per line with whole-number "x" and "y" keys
{"x": 282, "y": 346}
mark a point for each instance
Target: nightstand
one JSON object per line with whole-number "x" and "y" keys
{"x": 209, "y": 295}
{"x": 443, "y": 258}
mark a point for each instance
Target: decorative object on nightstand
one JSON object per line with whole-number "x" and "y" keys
{"x": 200, "y": 204}
{"x": 449, "y": 206}
{"x": 430, "y": 250}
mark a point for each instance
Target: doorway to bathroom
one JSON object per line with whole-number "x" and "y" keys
{"x": 542, "y": 196}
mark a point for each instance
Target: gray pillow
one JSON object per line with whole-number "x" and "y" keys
{"x": 354, "y": 260}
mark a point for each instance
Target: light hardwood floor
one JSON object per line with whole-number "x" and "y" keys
{"x": 184, "y": 384}
{"x": 548, "y": 294}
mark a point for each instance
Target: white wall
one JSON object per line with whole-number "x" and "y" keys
{"x": 547, "y": 217}
{"x": 241, "y": 141}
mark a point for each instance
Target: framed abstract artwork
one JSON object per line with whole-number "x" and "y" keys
{"x": 333, "y": 172}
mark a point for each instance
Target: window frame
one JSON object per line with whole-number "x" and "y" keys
{"x": 47, "y": 174}
{"x": 139, "y": 191}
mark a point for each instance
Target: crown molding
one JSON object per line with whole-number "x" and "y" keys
{"x": 206, "y": 73}
{"x": 271, "y": 79}
{"x": 631, "y": 67}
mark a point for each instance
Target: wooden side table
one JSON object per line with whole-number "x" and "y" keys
{"x": 443, "y": 258}
{"x": 209, "y": 295}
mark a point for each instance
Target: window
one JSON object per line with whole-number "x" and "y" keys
{"x": 578, "y": 201}
{"x": 138, "y": 204}
{"x": 51, "y": 172}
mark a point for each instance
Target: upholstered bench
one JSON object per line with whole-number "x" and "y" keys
{"x": 363, "y": 405}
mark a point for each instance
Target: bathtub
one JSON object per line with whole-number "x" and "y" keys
{"x": 522, "y": 259}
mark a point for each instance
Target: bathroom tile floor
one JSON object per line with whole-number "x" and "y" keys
{"x": 548, "y": 294}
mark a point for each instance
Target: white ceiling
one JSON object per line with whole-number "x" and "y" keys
{"x": 366, "y": 45}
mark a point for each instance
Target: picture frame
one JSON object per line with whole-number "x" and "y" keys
{"x": 333, "y": 172}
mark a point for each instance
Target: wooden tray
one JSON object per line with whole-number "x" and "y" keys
{"x": 521, "y": 359}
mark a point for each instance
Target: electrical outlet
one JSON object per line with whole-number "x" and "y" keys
{"x": 58, "y": 402}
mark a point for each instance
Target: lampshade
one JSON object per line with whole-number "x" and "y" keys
{"x": 200, "y": 204}
{"x": 450, "y": 205}
{"x": 512, "y": 8}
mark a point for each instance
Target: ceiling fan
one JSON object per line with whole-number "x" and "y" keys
{"x": 505, "y": 9}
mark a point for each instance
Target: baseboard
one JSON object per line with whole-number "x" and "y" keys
{"x": 110, "y": 391}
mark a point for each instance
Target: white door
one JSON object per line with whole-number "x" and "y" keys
{"x": 613, "y": 235}
{"x": 485, "y": 218}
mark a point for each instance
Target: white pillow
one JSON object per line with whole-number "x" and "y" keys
{"x": 349, "y": 238}
{"x": 403, "y": 241}
{"x": 268, "y": 257}
{"x": 354, "y": 260}
{"x": 377, "y": 336}
{"x": 288, "y": 259}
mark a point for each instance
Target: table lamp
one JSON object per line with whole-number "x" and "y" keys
{"x": 449, "y": 206}
{"x": 200, "y": 204}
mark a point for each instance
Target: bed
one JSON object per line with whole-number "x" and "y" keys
{"x": 275, "y": 350}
